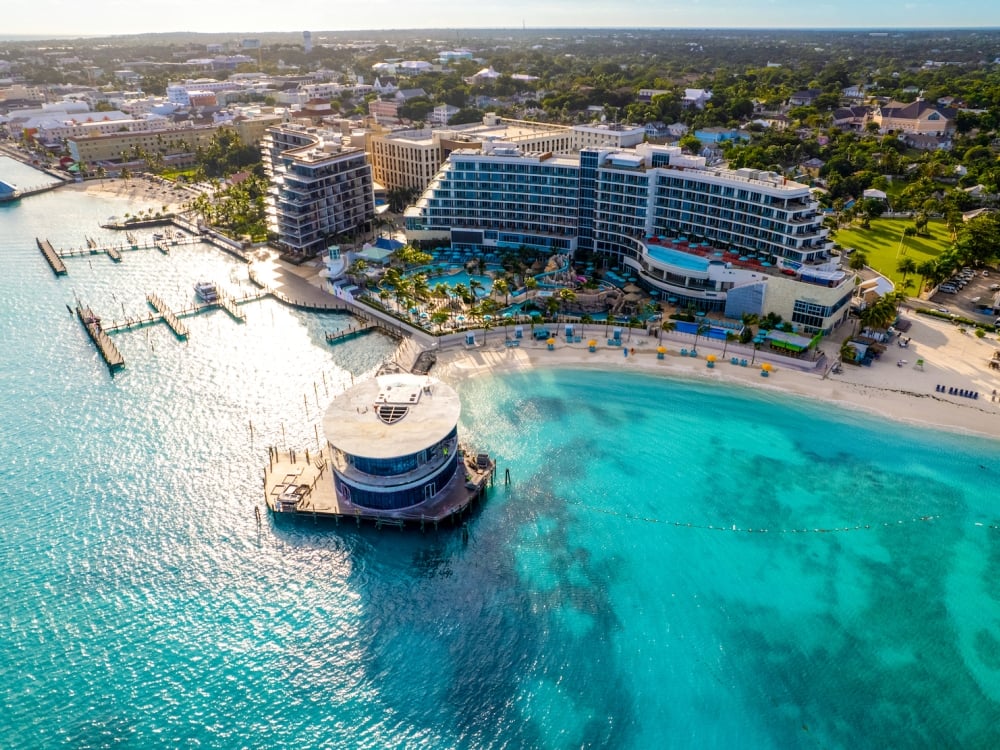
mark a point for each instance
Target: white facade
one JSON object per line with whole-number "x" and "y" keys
{"x": 769, "y": 249}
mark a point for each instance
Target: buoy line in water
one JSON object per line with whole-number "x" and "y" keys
{"x": 747, "y": 530}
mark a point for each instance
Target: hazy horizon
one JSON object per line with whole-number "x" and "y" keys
{"x": 51, "y": 19}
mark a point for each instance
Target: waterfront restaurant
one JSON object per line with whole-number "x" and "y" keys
{"x": 394, "y": 441}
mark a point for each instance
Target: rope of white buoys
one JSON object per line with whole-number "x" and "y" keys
{"x": 764, "y": 530}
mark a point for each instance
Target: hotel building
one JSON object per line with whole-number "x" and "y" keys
{"x": 737, "y": 242}
{"x": 411, "y": 158}
{"x": 394, "y": 442}
{"x": 319, "y": 187}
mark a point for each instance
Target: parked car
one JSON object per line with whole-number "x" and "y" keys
{"x": 947, "y": 289}
{"x": 995, "y": 287}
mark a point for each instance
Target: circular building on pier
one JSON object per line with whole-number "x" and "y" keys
{"x": 394, "y": 441}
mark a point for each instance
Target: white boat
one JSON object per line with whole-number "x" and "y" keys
{"x": 206, "y": 291}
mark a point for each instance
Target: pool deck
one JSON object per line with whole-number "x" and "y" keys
{"x": 300, "y": 483}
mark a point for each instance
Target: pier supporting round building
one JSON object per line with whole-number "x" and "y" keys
{"x": 394, "y": 442}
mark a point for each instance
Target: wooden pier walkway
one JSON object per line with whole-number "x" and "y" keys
{"x": 176, "y": 325}
{"x": 105, "y": 346}
{"x": 351, "y": 333}
{"x": 228, "y": 304}
{"x": 55, "y": 262}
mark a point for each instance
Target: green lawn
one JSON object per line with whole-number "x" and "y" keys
{"x": 885, "y": 245}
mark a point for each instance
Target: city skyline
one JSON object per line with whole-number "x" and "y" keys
{"x": 49, "y": 18}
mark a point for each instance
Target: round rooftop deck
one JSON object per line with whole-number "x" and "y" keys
{"x": 392, "y": 415}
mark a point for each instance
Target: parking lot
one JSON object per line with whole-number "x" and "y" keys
{"x": 967, "y": 300}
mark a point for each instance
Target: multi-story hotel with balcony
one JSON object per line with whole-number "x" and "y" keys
{"x": 319, "y": 188}
{"x": 738, "y": 241}
{"x": 410, "y": 158}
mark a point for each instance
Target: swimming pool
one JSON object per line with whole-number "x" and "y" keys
{"x": 462, "y": 277}
{"x": 677, "y": 258}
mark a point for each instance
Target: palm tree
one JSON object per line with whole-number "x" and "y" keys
{"x": 730, "y": 336}
{"x": 566, "y": 296}
{"x": 461, "y": 291}
{"x": 701, "y": 330}
{"x": 906, "y": 266}
{"x": 848, "y": 352}
{"x": 858, "y": 260}
{"x": 439, "y": 318}
{"x": 500, "y": 286}
{"x": 475, "y": 285}
{"x": 584, "y": 319}
{"x": 668, "y": 326}
{"x": 551, "y": 306}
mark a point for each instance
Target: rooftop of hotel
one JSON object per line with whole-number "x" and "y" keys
{"x": 505, "y": 130}
{"x": 392, "y": 415}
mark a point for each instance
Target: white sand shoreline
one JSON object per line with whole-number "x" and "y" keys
{"x": 904, "y": 394}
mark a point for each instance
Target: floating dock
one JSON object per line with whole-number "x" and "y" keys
{"x": 169, "y": 317}
{"x": 300, "y": 483}
{"x": 105, "y": 346}
{"x": 55, "y": 262}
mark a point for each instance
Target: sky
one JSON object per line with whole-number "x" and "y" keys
{"x": 110, "y": 17}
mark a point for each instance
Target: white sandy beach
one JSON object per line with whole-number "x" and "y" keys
{"x": 141, "y": 189}
{"x": 905, "y": 394}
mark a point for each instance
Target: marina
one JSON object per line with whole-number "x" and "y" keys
{"x": 105, "y": 346}
{"x": 51, "y": 257}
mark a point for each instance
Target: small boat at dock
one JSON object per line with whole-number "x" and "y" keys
{"x": 207, "y": 291}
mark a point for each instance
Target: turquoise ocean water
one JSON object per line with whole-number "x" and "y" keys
{"x": 603, "y": 599}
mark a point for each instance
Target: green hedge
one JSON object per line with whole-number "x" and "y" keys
{"x": 957, "y": 319}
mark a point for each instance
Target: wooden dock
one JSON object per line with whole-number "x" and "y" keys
{"x": 55, "y": 262}
{"x": 228, "y": 304}
{"x": 176, "y": 324}
{"x": 351, "y": 333}
{"x": 300, "y": 483}
{"x": 105, "y": 346}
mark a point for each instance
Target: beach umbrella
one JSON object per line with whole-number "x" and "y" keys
{"x": 711, "y": 357}
{"x": 632, "y": 288}
{"x": 632, "y": 297}
{"x": 550, "y": 342}
{"x": 766, "y": 367}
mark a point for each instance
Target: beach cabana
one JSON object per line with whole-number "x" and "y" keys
{"x": 788, "y": 341}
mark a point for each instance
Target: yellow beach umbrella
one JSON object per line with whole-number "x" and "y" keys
{"x": 661, "y": 350}
{"x": 710, "y": 358}
{"x": 592, "y": 342}
{"x": 766, "y": 367}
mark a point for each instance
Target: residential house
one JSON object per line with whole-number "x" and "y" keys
{"x": 657, "y": 129}
{"x": 812, "y": 167}
{"x": 695, "y": 98}
{"x": 804, "y": 98}
{"x": 404, "y": 95}
{"x": 442, "y": 114}
{"x": 851, "y": 118}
